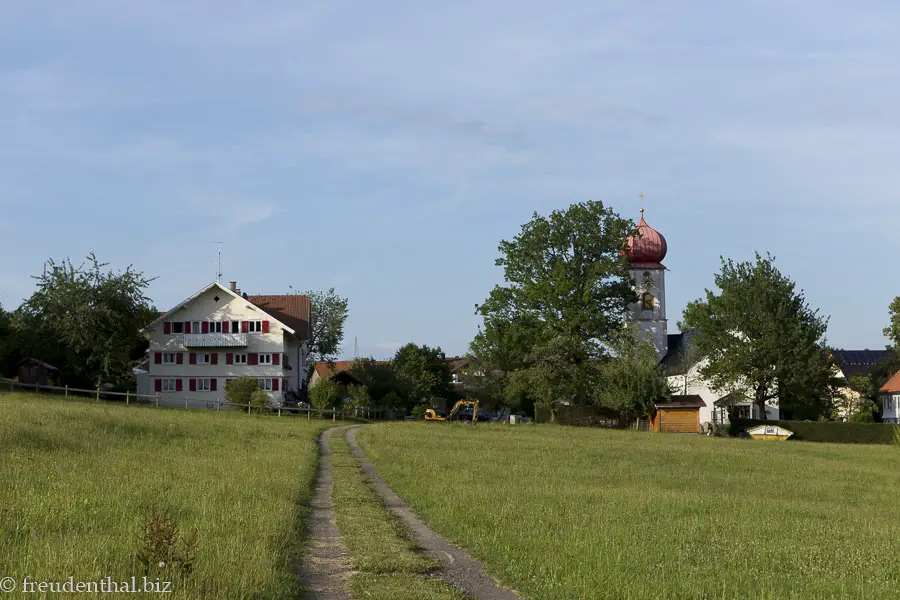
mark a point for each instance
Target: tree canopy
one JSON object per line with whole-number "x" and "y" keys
{"x": 892, "y": 331}
{"x": 327, "y": 315}
{"x": 757, "y": 332}
{"x": 86, "y": 321}
{"x": 421, "y": 373}
{"x": 566, "y": 291}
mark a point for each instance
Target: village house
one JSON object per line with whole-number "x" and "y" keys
{"x": 890, "y": 400}
{"x": 219, "y": 334}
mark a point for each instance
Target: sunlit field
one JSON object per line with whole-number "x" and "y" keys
{"x": 79, "y": 482}
{"x": 569, "y": 513}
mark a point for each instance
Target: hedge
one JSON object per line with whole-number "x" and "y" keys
{"x": 816, "y": 431}
{"x": 579, "y": 416}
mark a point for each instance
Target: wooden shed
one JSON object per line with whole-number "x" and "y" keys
{"x": 678, "y": 414}
{"x": 35, "y": 372}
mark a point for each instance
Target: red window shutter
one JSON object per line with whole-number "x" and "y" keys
{"x": 167, "y": 328}
{"x": 157, "y": 358}
{"x": 205, "y": 326}
{"x": 193, "y": 384}
{"x": 274, "y": 385}
{"x": 276, "y": 359}
{"x": 215, "y": 358}
{"x": 253, "y": 358}
{"x": 187, "y": 326}
{"x": 178, "y": 386}
{"x": 158, "y": 385}
{"x": 229, "y": 358}
{"x": 245, "y": 326}
{"x": 179, "y": 358}
{"x": 265, "y": 327}
{"x": 214, "y": 384}
{"x": 226, "y": 327}
{"x": 193, "y": 358}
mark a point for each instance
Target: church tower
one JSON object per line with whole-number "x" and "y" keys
{"x": 645, "y": 252}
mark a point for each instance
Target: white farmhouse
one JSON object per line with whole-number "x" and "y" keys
{"x": 219, "y": 334}
{"x": 890, "y": 400}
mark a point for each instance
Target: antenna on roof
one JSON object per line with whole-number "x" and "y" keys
{"x": 218, "y": 262}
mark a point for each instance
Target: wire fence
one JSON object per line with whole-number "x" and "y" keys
{"x": 162, "y": 401}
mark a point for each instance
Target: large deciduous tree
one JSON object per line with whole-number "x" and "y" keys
{"x": 327, "y": 314}
{"x": 566, "y": 291}
{"x": 421, "y": 373}
{"x": 632, "y": 380}
{"x": 86, "y": 321}
{"x": 758, "y": 333}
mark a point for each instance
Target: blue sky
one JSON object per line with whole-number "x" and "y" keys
{"x": 385, "y": 148}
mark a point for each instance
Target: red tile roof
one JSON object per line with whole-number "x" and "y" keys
{"x": 290, "y": 309}
{"x": 324, "y": 368}
{"x": 893, "y": 385}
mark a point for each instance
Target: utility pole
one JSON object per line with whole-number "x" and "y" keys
{"x": 355, "y": 347}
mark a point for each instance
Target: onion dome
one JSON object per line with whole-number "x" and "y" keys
{"x": 648, "y": 248}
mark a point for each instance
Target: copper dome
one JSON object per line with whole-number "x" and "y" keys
{"x": 649, "y": 247}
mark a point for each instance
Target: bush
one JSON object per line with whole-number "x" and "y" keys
{"x": 240, "y": 390}
{"x": 324, "y": 394}
{"x": 418, "y": 411}
{"x": 814, "y": 431}
{"x": 259, "y": 401}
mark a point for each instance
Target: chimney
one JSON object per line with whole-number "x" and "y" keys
{"x": 232, "y": 285}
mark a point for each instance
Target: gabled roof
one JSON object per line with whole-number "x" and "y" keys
{"x": 292, "y": 309}
{"x": 678, "y": 360}
{"x": 893, "y": 385}
{"x": 40, "y": 363}
{"x": 216, "y": 284}
{"x": 859, "y": 362}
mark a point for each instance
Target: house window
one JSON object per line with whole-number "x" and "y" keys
{"x": 168, "y": 385}
{"x": 203, "y": 358}
{"x": 265, "y": 359}
{"x": 255, "y": 326}
{"x": 235, "y": 327}
{"x": 240, "y": 359}
{"x": 168, "y": 358}
{"x": 177, "y": 327}
{"x": 215, "y": 326}
{"x": 265, "y": 384}
{"x": 195, "y": 327}
{"x": 203, "y": 384}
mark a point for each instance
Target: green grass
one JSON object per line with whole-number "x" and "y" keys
{"x": 77, "y": 479}
{"x": 386, "y": 561}
{"x": 570, "y": 513}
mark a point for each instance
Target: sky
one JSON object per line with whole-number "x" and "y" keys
{"x": 385, "y": 148}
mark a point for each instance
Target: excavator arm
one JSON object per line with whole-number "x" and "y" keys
{"x": 431, "y": 415}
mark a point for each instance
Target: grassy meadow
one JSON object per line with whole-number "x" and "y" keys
{"x": 569, "y": 513}
{"x": 79, "y": 480}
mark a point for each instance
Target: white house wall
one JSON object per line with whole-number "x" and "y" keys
{"x": 693, "y": 383}
{"x": 230, "y": 308}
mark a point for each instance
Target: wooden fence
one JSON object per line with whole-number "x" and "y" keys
{"x": 133, "y": 398}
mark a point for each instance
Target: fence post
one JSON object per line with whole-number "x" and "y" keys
{"x": 279, "y": 411}
{"x": 185, "y": 402}
{"x": 157, "y": 399}
{"x": 307, "y": 414}
{"x": 333, "y": 415}
{"x": 126, "y": 398}
{"x": 98, "y": 393}
{"x": 67, "y": 391}
{"x": 248, "y": 409}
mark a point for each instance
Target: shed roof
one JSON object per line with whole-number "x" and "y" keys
{"x": 685, "y": 401}
{"x": 41, "y": 363}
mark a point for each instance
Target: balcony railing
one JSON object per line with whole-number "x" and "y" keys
{"x": 215, "y": 340}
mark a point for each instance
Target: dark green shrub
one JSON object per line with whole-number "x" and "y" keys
{"x": 579, "y": 416}
{"x": 239, "y": 391}
{"x": 815, "y": 431}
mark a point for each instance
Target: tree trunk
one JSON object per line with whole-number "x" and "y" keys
{"x": 761, "y": 401}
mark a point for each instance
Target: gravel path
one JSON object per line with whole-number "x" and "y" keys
{"x": 324, "y": 571}
{"x": 458, "y": 568}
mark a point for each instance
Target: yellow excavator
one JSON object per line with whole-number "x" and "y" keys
{"x": 430, "y": 415}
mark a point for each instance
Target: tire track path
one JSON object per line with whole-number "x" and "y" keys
{"x": 458, "y": 568}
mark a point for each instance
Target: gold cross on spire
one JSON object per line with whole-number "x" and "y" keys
{"x": 642, "y": 202}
